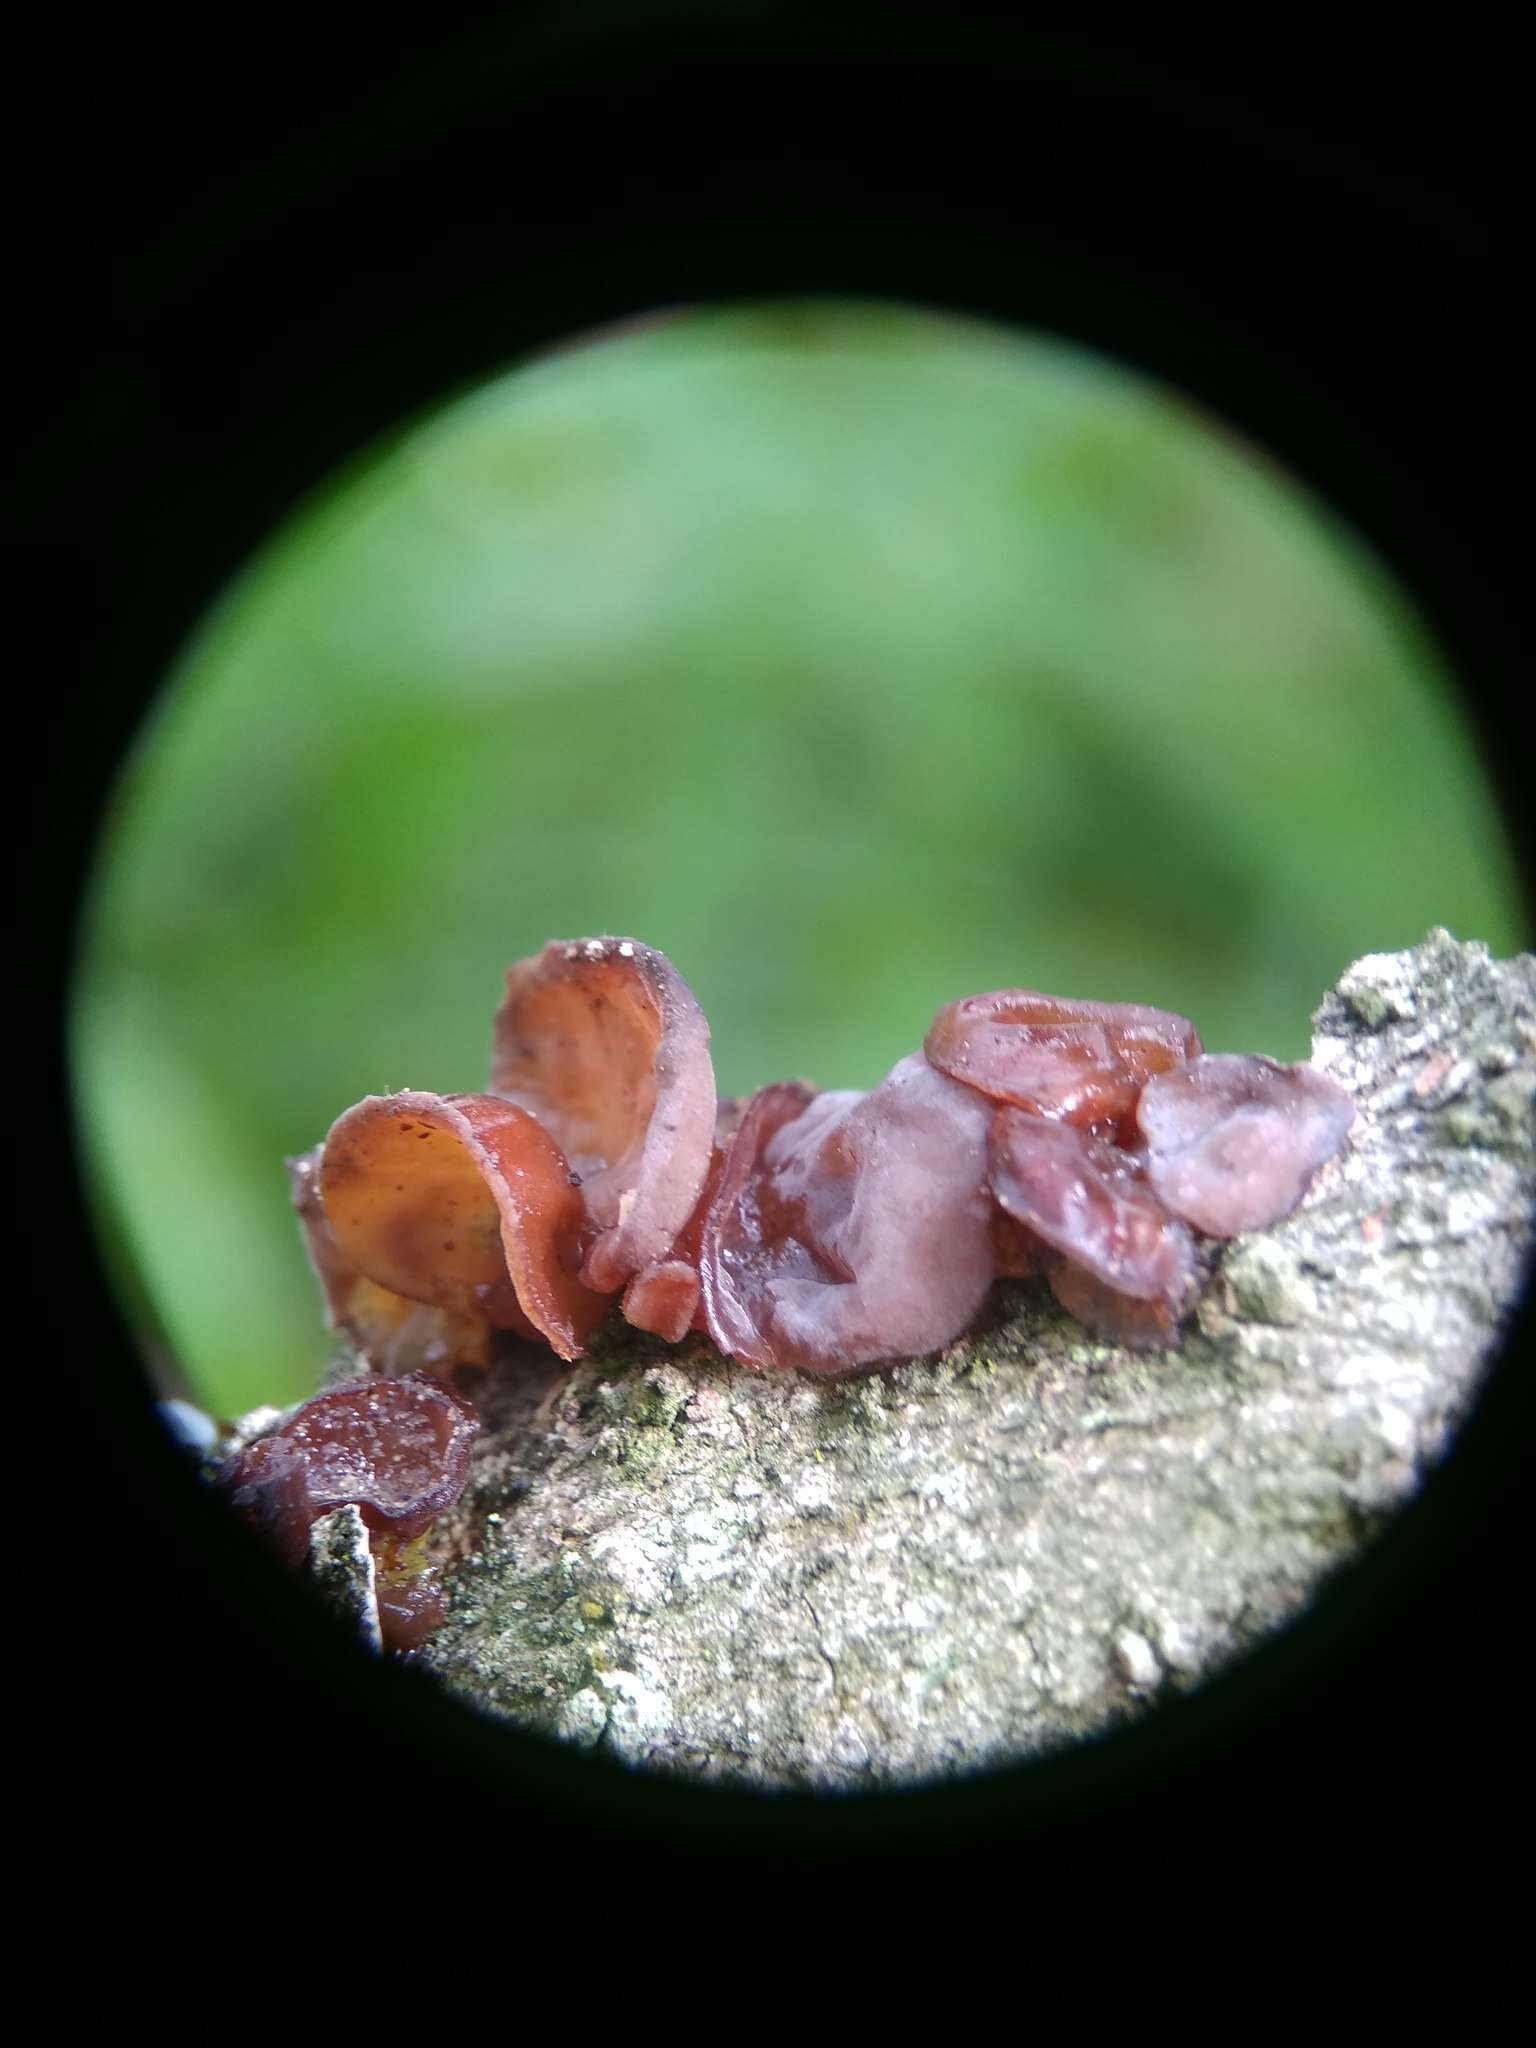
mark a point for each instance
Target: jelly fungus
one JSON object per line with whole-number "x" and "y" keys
{"x": 464, "y": 1202}
{"x": 395, "y": 1449}
{"x": 407, "y": 1593}
{"x": 1233, "y": 1140}
{"x": 1083, "y": 1063}
{"x": 666, "y": 1297}
{"x": 854, "y": 1228}
{"x": 603, "y": 1042}
{"x": 829, "y": 1231}
{"x": 1088, "y": 1200}
{"x": 393, "y": 1334}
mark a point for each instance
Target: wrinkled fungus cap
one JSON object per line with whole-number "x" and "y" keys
{"x": 1089, "y": 1200}
{"x": 397, "y": 1450}
{"x": 1234, "y": 1139}
{"x": 851, "y": 1228}
{"x": 1081, "y": 1063}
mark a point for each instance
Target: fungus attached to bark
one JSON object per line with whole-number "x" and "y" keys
{"x": 407, "y": 1593}
{"x": 1233, "y": 1139}
{"x": 665, "y": 1297}
{"x": 851, "y": 1228}
{"x": 826, "y": 1231}
{"x": 397, "y": 1450}
{"x": 1089, "y": 1200}
{"x": 1127, "y": 1266}
{"x": 832, "y": 1231}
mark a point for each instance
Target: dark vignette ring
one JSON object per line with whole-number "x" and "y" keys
{"x": 277, "y": 305}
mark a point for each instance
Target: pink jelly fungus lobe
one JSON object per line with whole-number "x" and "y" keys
{"x": 851, "y": 1228}
{"x": 1233, "y": 1140}
{"x": 1089, "y": 1200}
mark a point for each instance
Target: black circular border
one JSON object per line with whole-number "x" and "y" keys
{"x": 292, "y": 242}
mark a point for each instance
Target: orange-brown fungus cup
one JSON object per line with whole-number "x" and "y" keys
{"x": 394, "y": 1334}
{"x": 465, "y": 1202}
{"x": 603, "y": 1042}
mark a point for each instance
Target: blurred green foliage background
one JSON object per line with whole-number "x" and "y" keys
{"x": 858, "y": 657}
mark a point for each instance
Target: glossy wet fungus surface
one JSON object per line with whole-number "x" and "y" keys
{"x": 395, "y": 1449}
{"x": 830, "y": 1231}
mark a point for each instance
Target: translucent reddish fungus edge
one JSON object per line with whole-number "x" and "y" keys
{"x": 1079, "y": 1063}
{"x": 604, "y": 1042}
{"x": 851, "y": 1229}
{"x": 464, "y": 1203}
{"x": 1232, "y": 1141}
{"x": 1115, "y": 1257}
{"x": 398, "y": 1450}
{"x": 1094, "y": 1145}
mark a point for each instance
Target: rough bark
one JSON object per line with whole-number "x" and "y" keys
{"x": 970, "y": 1558}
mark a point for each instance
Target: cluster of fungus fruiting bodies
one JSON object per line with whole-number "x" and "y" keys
{"x": 1093, "y": 1143}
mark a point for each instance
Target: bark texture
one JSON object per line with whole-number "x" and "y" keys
{"x": 966, "y": 1559}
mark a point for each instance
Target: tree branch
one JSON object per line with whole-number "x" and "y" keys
{"x": 968, "y": 1559}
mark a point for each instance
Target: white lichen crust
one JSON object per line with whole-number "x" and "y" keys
{"x": 341, "y": 1564}
{"x": 968, "y": 1559}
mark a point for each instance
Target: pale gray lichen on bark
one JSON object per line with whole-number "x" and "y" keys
{"x": 964, "y": 1560}
{"x": 341, "y": 1565}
